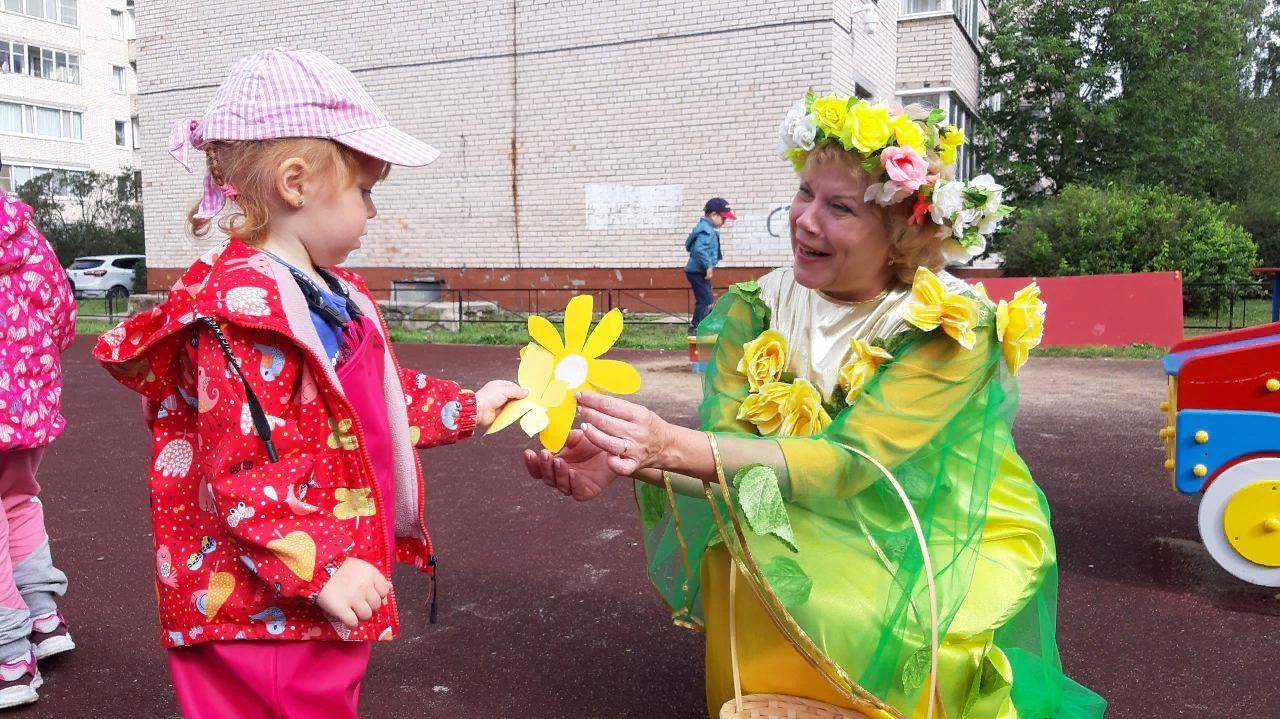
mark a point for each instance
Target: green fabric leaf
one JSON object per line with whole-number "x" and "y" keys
{"x": 788, "y": 580}
{"x": 872, "y": 165}
{"x": 915, "y": 672}
{"x": 936, "y": 115}
{"x": 652, "y": 501}
{"x": 760, "y": 501}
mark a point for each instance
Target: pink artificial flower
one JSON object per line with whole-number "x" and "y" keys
{"x": 905, "y": 167}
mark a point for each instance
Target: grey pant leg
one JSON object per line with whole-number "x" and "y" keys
{"x": 15, "y": 626}
{"x": 39, "y": 582}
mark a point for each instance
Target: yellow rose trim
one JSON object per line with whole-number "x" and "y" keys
{"x": 932, "y": 307}
{"x": 1020, "y": 325}
{"x": 861, "y": 367}
{"x": 763, "y": 359}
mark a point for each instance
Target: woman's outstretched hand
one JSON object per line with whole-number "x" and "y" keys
{"x": 633, "y": 435}
{"x": 580, "y": 469}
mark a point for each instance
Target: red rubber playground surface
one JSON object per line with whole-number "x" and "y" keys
{"x": 545, "y": 611}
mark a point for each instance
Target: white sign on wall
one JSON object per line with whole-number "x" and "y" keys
{"x": 630, "y": 207}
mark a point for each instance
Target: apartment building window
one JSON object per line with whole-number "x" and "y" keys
{"x": 921, "y": 7}
{"x": 117, "y": 79}
{"x": 26, "y": 59}
{"x": 137, "y": 133}
{"x": 14, "y": 176}
{"x": 122, "y": 139}
{"x": 117, "y": 24}
{"x": 958, "y": 115}
{"x": 63, "y": 11}
{"x": 37, "y": 121}
{"x": 130, "y": 24}
{"x": 966, "y": 12}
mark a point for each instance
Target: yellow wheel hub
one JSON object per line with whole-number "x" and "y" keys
{"x": 1251, "y": 522}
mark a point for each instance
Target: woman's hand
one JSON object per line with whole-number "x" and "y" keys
{"x": 633, "y": 435}
{"x": 580, "y": 469}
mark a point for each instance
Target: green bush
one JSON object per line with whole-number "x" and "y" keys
{"x": 1116, "y": 229}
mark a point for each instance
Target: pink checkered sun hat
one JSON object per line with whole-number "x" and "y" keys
{"x": 292, "y": 93}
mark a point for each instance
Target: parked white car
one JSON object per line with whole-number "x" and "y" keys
{"x": 103, "y": 275}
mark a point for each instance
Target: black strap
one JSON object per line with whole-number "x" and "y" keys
{"x": 260, "y": 422}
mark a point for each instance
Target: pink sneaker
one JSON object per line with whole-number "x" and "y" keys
{"x": 49, "y": 635}
{"x": 19, "y": 680}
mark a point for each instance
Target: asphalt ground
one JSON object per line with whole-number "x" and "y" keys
{"x": 545, "y": 610}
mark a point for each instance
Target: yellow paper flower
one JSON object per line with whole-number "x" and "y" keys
{"x": 861, "y": 367}
{"x": 353, "y": 503}
{"x": 1020, "y": 325}
{"x": 867, "y": 128}
{"x": 766, "y": 408}
{"x": 763, "y": 359}
{"x": 552, "y": 369}
{"x": 830, "y": 112}
{"x": 779, "y": 408}
{"x": 804, "y": 414}
{"x": 909, "y": 133}
{"x": 932, "y": 306}
{"x": 951, "y": 138}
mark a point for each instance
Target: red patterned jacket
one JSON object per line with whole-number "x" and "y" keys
{"x": 243, "y": 543}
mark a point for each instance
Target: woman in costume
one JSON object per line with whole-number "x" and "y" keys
{"x": 856, "y": 413}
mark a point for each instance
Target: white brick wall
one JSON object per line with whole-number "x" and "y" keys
{"x": 93, "y": 97}
{"x": 677, "y": 94}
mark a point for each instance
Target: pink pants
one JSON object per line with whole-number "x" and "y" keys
{"x": 29, "y": 583}
{"x": 269, "y": 680}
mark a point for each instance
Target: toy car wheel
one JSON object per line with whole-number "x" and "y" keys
{"x": 1240, "y": 520}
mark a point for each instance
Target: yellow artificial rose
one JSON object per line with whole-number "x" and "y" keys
{"x": 766, "y": 407}
{"x": 861, "y": 367}
{"x": 867, "y": 128}
{"x": 803, "y": 414}
{"x": 1020, "y": 325}
{"x": 763, "y": 359}
{"x": 951, "y": 138}
{"x": 932, "y": 306}
{"x": 909, "y": 133}
{"x": 830, "y": 112}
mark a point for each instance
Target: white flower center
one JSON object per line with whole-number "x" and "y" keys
{"x": 572, "y": 370}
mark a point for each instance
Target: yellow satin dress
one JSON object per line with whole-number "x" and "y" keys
{"x": 1015, "y": 549}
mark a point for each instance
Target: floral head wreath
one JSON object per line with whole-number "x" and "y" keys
{"x": 908, "y": 155}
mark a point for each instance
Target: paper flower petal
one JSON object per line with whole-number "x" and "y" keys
{"x": 545, "y": 334}
{"x": 577, "y": 319}
{"x": 535, "y": 420}
{"x": 561, "y": 420}
{"x": 606, "y": 333}
{"x": 510, "y": 413}
{"x": 614, "y": 376}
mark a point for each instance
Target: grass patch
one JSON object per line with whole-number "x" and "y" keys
{"x": 1134, "y": 351}
{"x": 92, "y": 327}
{"x": 1248, "y": 313}
{"x": 636, "y": 336}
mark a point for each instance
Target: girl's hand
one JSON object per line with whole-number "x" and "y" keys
{"x": 354, "y": 592}
{"x": 580, "y": 469}
{"x": 633, "y": 435}
{"x": 491, "y": 398}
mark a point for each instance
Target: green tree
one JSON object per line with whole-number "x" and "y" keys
{"x": 87, "y": 214}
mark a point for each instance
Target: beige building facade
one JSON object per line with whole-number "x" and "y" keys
{"x": 580, "y": 139}
{"x": 68, "y": 88}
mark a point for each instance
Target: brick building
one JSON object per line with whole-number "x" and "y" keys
{"x": 580, "y": 139}
{"x": 68, "y": 99}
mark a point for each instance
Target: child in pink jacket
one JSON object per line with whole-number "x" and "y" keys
{"x": 37, "y": 322}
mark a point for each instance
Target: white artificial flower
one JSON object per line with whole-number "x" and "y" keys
{"x": 989, "y": 223}
{"x": 885, "y": 193}
{"x": 948, "y": 199}
{"x": 956, "y": 253}
{"x": 994, "y": 192}
{"x": 798, "y": 128}
{"x": 963, "y": 220}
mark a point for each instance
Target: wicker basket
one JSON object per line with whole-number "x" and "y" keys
{"x": 781, "y": 706}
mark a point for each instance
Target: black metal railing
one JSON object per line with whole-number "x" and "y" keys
{"x": 1226, "y": 305}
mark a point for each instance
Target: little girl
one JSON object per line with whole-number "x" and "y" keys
{"x": 284, "y": 480}
{"x": 38, "y": 322}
